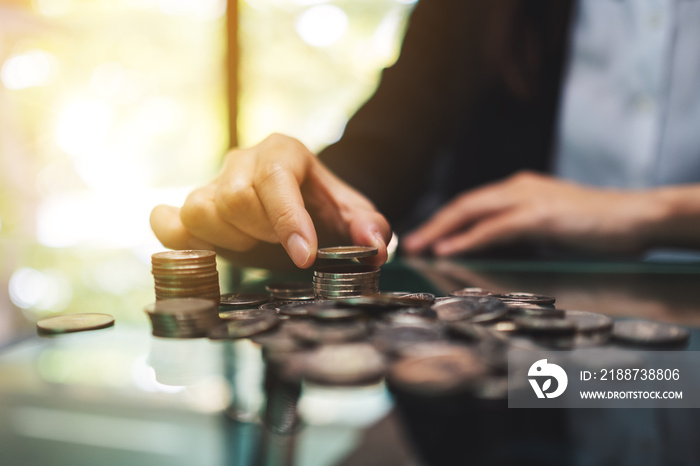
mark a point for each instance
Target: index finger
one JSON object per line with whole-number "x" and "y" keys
{"x": 278, "y": 189}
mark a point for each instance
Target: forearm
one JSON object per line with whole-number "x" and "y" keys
{"x": 674, "y": 217}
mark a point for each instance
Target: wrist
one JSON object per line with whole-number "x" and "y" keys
{"x": 671, "y": 217}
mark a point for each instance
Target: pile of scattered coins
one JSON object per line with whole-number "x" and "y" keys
{"x": 183, "y": 317}
{"x": 340, "y": 330}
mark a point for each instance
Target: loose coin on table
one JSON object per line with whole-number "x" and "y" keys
{"x": 346, "y": 252}
{"x": 645, "y": 333}
{"x": 242, "y": 300}
{"x": 291, "y": 291}
{"x": 472, "y": 291}
{"x": 475, "y": 309}
{"x": 71, "y": 323}
{"x": 542, "y": 326}
{"x": 523, "y": 297}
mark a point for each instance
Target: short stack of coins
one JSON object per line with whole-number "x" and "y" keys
{"x": 347, "y": 280}
{"x": 186, "y": 274}
{"x": 183, "y": 317}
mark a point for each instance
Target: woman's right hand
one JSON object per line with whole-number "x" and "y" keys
{"x": 274, "y": 192}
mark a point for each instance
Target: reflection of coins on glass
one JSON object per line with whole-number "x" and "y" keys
{"x": 346, "y": 252}
{"x": 645, "y": 333}
{"x": 328, "y": 332}
{"x": 182, "y": 317}
{"x": 453, "y": 369}
{"x": 70, "y": 323}
{"x": 394, "y": 338}
{"x": 245, "y": 325}
{"x": 344, "y": 364}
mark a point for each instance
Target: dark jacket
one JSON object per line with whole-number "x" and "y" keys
{"x": 472, "y": 98}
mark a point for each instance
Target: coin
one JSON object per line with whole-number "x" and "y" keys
{"x": 589, "y": 322}
{"x": 393, "y": 339}
{"x": 472, "y": 291}
{"x": 291, "y": 290}
{"x": 242, "y": 328}
{"x": 538, "y": 325}
{"x": 277, "y": 305}
{"x": 301, "y": 308}
{"x": 346, "y": 271}
{"x": 526, "y": 297}
{"x": 322, "y": 333}
{"x": 428, "y": 297}
{"x": 346, "y": 252}
{"x": 454, "y": 370}
{"x": 328, "y": 313}
{"x": 185, "y": 254}
{"x": 183, "y": 317}
{"x": 187, "y": 273}
{"x": 277, "y": 343}
{"x": 243, "y": 314}
{"x": 380, "y": 302}
{"x": 239, "y": 300}
{"x": 348, "y": 287}
{"x": 476, "y": 309}
{"x": 346, "y": 364}
{"x": 645, "y": 333}
{"x": 517, "y": 309}
{"x": 70, "y": 323}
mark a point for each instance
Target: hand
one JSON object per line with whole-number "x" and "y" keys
{"x": 274, "y": 192}
{"x": 529, "y": 206}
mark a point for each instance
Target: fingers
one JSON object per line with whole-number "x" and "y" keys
{"x": 466, "y": 209}
{"x": 258, "y": 197}
{"x": 200, "y": 217}
{"x": 370, "y": 228}
{"x": 169, "y": 229}
{"x": 498, "y": 229}
{"x": 280, "y": 195}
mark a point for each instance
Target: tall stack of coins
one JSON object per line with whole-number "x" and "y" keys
{"x": 186, "y": 274}
{"x": 183, "y": 317}
{"x": 347, "y": 280}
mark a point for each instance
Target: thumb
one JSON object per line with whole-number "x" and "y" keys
{"x": 370, "y": 228}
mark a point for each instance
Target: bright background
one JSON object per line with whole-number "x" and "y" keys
{"x": 109, "y": 107}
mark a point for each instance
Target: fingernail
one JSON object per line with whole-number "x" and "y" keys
{"x": 298, "y": 249}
